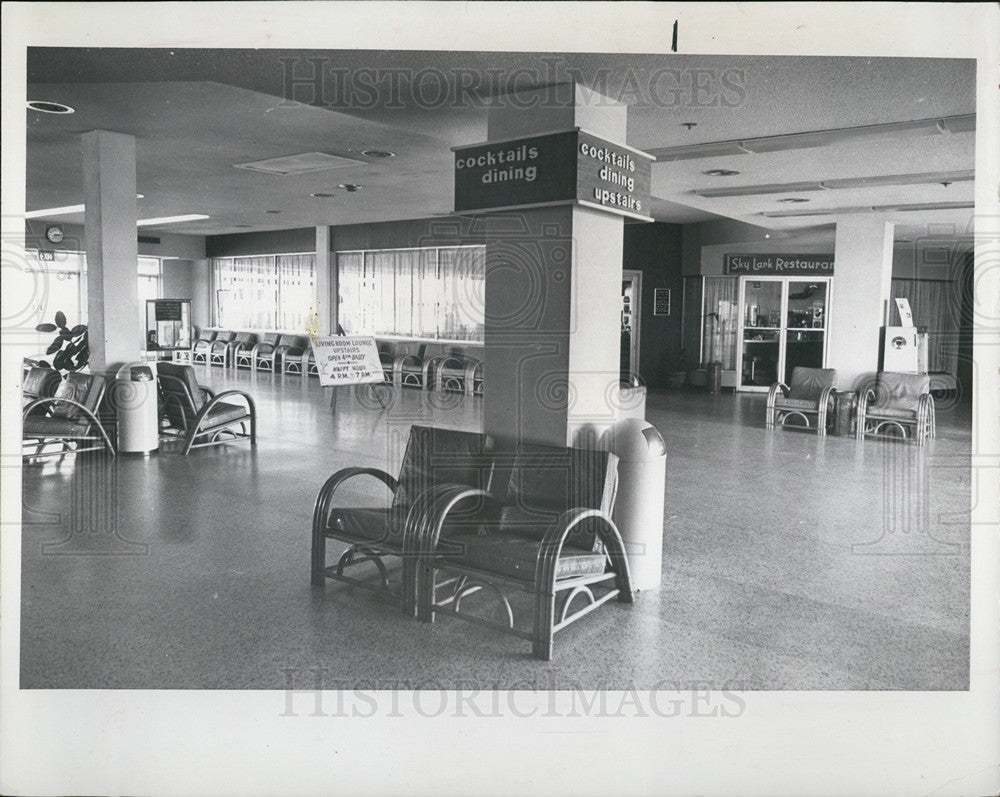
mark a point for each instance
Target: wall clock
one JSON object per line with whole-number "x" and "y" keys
{"x": 54, "y": 234}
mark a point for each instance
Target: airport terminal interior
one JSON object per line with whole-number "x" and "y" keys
{"x": 749, "y": 279}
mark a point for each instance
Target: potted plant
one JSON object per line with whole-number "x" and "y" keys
{"x": 70, "y": 347}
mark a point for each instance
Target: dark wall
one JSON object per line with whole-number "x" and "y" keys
{"x": 271, "y": 242}
{"x": 655, "y": 250}
{"x": 402, "y": 234}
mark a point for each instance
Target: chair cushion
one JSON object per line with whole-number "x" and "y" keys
{"x": 515, "y": 556}
{"x": 900, "y": 391}
{"x": 893, "y": 413}
{"x": 808, "y": 384}
{"x": 223, "y": 413}
{"x": 441, "y": 456}
{"x": 85, "y": 389}
{"x": 55, "y": 427}
{"x": 546, "y": 481}
{"x": 796, "y": 404}
{"x": 382, "y": 526}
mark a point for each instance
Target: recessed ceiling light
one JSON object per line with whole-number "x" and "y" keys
{"x": 721, "y": 172}
{"x": 43, "y": 106}
{"x": 350, "y": 187}
{"x": 321, "y": 195}
{"x": 272, "y": 211}
{"x": 794, "y": 199}
{"x": 378, "y": 153}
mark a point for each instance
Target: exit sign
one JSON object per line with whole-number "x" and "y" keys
{"x": 43, "y": 255}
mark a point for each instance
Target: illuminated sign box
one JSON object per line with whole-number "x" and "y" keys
{"x": 784, "y": 265}
{"x": 556, "y": 168}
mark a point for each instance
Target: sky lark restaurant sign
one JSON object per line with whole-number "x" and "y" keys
{"x": 780, "y": 265}
{"x": 556, "y": 168}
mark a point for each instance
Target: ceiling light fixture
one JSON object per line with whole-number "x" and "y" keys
{"x": 792, "y": 199}
{"x": 272, "y": 211}
{"x": 43, "y": 106}
{"x": 321, "y": 195}
{"x": 378, "y": 153}
{"x": 171, "y": 219}
{"x": 689, "y": 125}
{"x": 721, "y": 172}
{"x": 350, "y": 187}
{"x": 62, "y": 211}
{"x": 299, "y": 164}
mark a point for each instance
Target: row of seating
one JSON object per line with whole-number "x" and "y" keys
{"x": 465, "y": 521}
{"x": 61, "y": 415}
{"x": 899, "y": 404}
{"x": 430, "y": 366}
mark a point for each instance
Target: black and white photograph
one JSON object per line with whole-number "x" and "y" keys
{"x": 500, "y": 398}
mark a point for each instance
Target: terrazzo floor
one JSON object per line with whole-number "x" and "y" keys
{"x": 790, "y": 562}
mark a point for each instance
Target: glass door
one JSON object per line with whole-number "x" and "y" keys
{"x": 783, "y": 325}
{"x": 760, "y": 300}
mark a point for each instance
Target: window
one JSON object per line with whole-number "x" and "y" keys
{"x": 265, "y": 291}
{"x": 434, "y": 293}
{"x": 149, "y": 287}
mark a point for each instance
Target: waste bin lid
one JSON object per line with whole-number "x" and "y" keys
{"x": 140, "y": 373}
{"x": 634, "y": 440}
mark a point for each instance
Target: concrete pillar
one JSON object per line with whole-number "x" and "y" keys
{"x": 112, "y": 249}
{"x": 861, "y": 286}
{"x": 553, "y": 281}
{"x": 326, "y": 282}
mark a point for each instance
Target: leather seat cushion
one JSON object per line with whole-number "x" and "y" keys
{"x": 224, "y": 412}
{"x": 515, "y": 556}
{"x": 56, "y": 427}
{"x": 382, "y": 526}
{"x": 796, "y": 404}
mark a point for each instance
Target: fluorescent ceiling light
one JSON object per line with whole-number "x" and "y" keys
{"x": 37, "y": 214}
{"x": 171, "y": 219}
{"x": 924, "y": 178}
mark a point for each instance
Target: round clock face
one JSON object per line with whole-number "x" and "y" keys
{"x": 54, "y": 234}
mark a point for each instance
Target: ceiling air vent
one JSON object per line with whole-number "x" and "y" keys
{"x": 148, "y": 239}
{"x": 299, "y": 164}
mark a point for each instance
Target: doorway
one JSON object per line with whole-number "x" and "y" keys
{"x": 631, "y": 299}
{"x": 783, "y": 323}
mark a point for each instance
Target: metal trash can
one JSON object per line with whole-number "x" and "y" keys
{"x": 844, "y": 407}
{"x": 638, "y": 512}
{"x": 137, "y": 405}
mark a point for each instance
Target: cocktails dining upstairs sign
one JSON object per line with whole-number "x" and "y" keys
{"x": 553, "y": 169}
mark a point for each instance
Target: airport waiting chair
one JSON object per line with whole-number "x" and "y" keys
{"x": 202, "y": 347}
{"x": 455, "y": 371}
{"x": 241, "y": 350}
{"x": 550, "y": 536}
{"x": 809, "y": 399}
{"x": 296, "y": 359}
{"x": 199, "y": 417}
{"x": 432, "y": 456}
{"x": 218, "y": 353}
{"x": 264, "y": 353}
{"x": 67, "y": 419}
{"x": 899, "y": 404}
{"x": 39, "y": 383}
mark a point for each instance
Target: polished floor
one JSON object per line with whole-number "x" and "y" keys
{"x": 789, "y": 562}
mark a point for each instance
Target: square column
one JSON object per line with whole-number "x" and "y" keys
{"x": 326, "y": 283}
{"x": 862, "y": 283}
{"x": 112, "y": 249}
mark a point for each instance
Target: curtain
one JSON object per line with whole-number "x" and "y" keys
{"x": 720, "y": 320}
{"x": 351, "y": 315}
{"x": 296, "y": 290}
{"x": 936, "y": 305}
{"x": 462, "y": 288}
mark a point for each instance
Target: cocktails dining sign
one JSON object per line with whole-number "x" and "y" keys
{"x": 556, "y": 168}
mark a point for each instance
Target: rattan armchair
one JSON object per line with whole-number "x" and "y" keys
{"x": 202, "y": 347}
{"x": 218, "y": 353}
{"x": 550, "y": 536}
{"x": 68, "y": 419}
{"x": 807, "y": 400}
{"x": 198, "y": 417}
{"x": 432, "y": 456}
{"x": 899, "y": 403}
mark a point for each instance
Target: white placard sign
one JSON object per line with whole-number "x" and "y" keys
{"x": 905, "y": 316}
{"x": 347, "y": 361}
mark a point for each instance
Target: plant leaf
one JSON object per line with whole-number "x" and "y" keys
{"x": 66, "y": 335}
{"x": 45, "y": 328}
{"x": 60, "y": 361}
{"x": 44, "y": 364}
{"x": 54, "y": 346}
{"x": 60, "y": 319}
{"x": 79, "y": 329}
